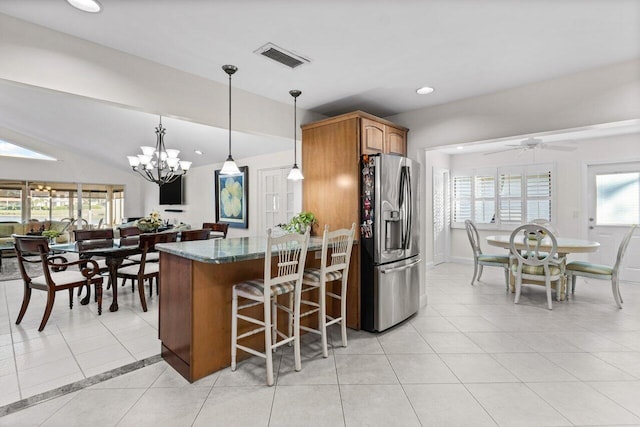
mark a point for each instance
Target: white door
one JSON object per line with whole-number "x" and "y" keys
{"x": 279, "y": 198}
{"x": 613, "y": 192}
{"x": 440, "y": 215}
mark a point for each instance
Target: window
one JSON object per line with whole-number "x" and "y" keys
{"x": 94, "y": 206}
{"x": 618, "y": 198}
{"x": 10, "y": 205}
{"x": 503, "y": 196}
{"x": 277, "y": 202}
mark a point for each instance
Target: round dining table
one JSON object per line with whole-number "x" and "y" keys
{"x": 565, "y": 246}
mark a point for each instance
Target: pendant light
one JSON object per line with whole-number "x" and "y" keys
{"x": 295, "y": 174}
{"x": 230, "y": 167}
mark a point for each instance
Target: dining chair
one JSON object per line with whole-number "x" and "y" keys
{"x": 546, "y": 224}
{"x": 602, "y": 272}
{"x": 480, "y": 259}
{"x": 334, "y": 266}
{"x": 129, "y": 235}
{"x": 55, "y": 275}
{"x": 146, "y": 270}
{"x": 189, "y": 235}
{"x": 92, "y": 239}
{"x": 533, "y": 264}
{"x": 220, "y": 229}
{"x": 290, "y": 254}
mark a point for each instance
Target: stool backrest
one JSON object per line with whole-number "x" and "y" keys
{"x": 336, "y": 249}
{"x": 291, "y": 250}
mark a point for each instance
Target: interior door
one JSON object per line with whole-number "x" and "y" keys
{"x": 440, "y": 223}
{"x": 277, "y": 202}
{"x": 613, "y": 205}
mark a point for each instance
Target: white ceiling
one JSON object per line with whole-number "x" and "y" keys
{"x": 366, "y": 54}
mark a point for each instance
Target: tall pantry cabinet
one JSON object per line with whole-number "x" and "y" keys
{"x": 331, "y": 151}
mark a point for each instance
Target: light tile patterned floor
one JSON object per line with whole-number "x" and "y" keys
{"x": 470, "y": 358}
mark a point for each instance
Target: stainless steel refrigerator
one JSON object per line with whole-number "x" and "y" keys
{"x": 390, "y": 258}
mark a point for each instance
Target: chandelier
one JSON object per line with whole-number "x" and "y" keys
{"x": 159, "y": 164}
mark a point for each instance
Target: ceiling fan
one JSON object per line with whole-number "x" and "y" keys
{"x": 532, "y": 144}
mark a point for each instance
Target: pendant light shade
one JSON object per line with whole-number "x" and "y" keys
{"x": 295, "y": 174}
{"x": 230, "y": 167}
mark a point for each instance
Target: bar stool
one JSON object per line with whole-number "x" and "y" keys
{"x": 336, "y": 254}
{"x": 291, "y": 250}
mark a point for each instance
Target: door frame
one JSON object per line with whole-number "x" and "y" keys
{"x": 446, "y": 214}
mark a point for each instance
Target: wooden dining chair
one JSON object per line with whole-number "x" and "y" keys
{"x": 601, "y": 272}
{"x": 217, "y": 227}
{"x": 56, "y": 275}
{"x": 92, "y": 239}
{"x": 480, "y": 260}
{"x": 129, "y": 235}
{"x": 146, "y": 270}
{"x": 290, "y": 254}
{"x": 533, "y": 264}
{"x": 189, "y": 235}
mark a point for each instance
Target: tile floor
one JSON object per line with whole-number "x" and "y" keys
{"x": 75, "y": 344}
{"x": 469, "y": 358}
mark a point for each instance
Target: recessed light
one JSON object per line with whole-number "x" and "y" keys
{"x": 91, "y": 6}
{"x": 460, "y": 147}
{"x": 424, "y": 90}
{"x": 198, "y": 152}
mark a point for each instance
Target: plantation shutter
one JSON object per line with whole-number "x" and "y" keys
{"x": 461, "y": 194}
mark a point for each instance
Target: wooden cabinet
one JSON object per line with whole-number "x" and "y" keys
{"x": 331, "y": 152}
{"x": 378, "y": 137}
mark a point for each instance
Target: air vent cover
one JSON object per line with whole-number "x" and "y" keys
{"x": 281, "y": 55}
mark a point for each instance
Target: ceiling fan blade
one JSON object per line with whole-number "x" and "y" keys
{"x": 559, "y": 148}
{"x": 501, "y": 151}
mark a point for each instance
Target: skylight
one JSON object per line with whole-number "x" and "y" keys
{"x": 11, "y": 150}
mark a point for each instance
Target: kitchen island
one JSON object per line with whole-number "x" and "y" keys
{"x": 196, "y": 279}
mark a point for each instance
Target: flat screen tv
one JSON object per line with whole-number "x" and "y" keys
{"x": 171, "y": 194}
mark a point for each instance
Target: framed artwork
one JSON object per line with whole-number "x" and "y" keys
{"x": 232, "y": 198}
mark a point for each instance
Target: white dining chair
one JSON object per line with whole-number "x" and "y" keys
{"x": 291, "y": 250}
{"x": 533, "y": 264}
{"x": 334, "y": 266}
{"x": 480, "y": 259}
{"x": 602, "y": 272}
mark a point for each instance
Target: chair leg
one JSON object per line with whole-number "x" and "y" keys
{"x": 518, "y": 289}
{"x": 547, "y": 283}
{"x": 267, "y": 339}
{"x": 322, "y": 317}
{"x": 573, "y": 284}
{"x": 475, "y": 271}
{"x": 70, "y": 298}
{"x": 616, "y": 292}
{"x": 274, "y": 322}
{"x": 99, "y": 294}
{"x": 234, "y": 329}
{"x": 150, "y": 287}
{"x": 51, "y": 298}
{"x": 25, "y": 303}
{"x": 343, "y": 311}
{"x": 506, "y": 277}
{"x": 143, "y": 300}
{"x": 296, "y": 331}
{"x": 479, "y": 272}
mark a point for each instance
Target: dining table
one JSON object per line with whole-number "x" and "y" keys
{"x": 113, "y": 255}
{"x": 565, "y": 246}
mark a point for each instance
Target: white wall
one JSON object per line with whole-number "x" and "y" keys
{"x": 200, "y": 193}
{"x": 602, "y": 95}
{"x": 70, "y": 167}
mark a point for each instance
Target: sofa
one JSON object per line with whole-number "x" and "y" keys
{"x": 11, "y": 227}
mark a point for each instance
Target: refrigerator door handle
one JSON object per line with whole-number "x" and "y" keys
{"x": 403, "y": 204}
{"x": 404, "y": 267}
{"x": 409, "y": 209}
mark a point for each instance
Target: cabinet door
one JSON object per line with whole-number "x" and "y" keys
{"x": 372, "y": 137}
{"x": 395, "y": 141}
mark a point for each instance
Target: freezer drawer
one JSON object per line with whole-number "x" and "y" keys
{"x": 396, "y": 292}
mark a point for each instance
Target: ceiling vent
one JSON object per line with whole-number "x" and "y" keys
{"x": 281, "y": 55}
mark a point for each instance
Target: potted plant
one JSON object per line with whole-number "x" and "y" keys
{"x": 51, "y": 235}
{"x": 298, "y": 224}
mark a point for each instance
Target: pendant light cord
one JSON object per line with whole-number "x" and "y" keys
{"x": 229, "y": 115}
{"x": 295, "y": 131}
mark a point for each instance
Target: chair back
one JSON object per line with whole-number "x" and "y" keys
{"x": 622, "y": 249}
{"x": 189, "y": 235}
{"x": 532, "y": 235}
{"x": 31, "y": 245}
{"x": 336, "y": 249}
{"x": 474, "y": 238}
{"x": 546, "y": 224}
{"x": 129, "y": 231}
{"x": 148, "y": 241}
{"x": 92, "y": 239}
{"x": 217, "y": 227}
{"x": 291, "y": 250}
